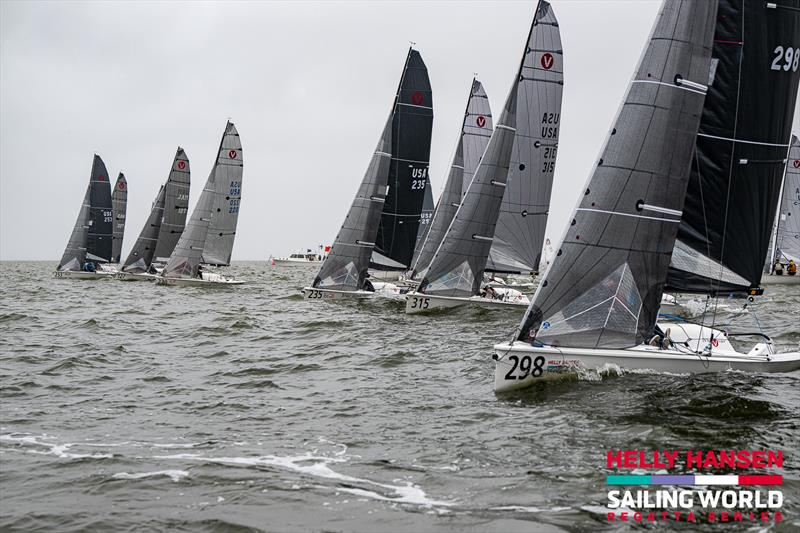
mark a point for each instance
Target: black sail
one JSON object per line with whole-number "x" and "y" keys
{"x": 119, "y": 202}
{"x": 603, "y": 289}
{"x": 740, "y": 149}
{"x": 101, "y": 215}
{"x": 141, "y": 255}
{"x": 176, "y": 207}
{"x": 412, "y": 121}
{"x": 476, "y": 129}
{"x": 345, "y": 267}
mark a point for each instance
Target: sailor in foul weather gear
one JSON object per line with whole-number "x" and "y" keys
{"x": 792, "y": 268}
{"x": 778, "y": 268}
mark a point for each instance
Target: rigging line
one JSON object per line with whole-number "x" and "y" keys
{"x": 730, "y": 169}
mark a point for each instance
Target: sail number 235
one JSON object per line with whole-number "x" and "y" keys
{"x": 787, "y": 58}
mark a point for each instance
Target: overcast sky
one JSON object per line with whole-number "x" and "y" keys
{"x": 308, "y": 84}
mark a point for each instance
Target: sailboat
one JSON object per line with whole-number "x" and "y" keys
{"x": 119, "y": 203}
{"x": 476, "y": 129}
{"x": 408, "y": 179}
{"x": 499, "y": 225}
{"x": 89, "y": 245}
{"x": 163, "y": 226}
{"x": 380, "y": 227}
{"x": 208, "y": 237}
{"x": 598, "y": 302}
{"x": 786, "y": 237}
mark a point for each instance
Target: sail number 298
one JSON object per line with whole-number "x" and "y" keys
{"x": 527, "y": 366}
{"x": 786, "y": 58}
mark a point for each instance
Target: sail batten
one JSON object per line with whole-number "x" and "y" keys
{"x": 603, "y": 288}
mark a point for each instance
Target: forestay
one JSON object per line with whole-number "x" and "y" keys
{"x": 458, "y": 264}
{"x": 476, "y": 129}
{"x": 519, "y": 236}
{"x": 412, "y": 120}
{"x": 604, "y": 287}
{"x": 141, "y": 255}
{"x": 345, "y": 267}
{"x": 227, "y": 198}
{"x": 119, "y": 204}
{"x": 92, "y": 234}
{"x": 176, "y": 207}
{"x": 740, "y": 149}
{"x": 787, "y": 227}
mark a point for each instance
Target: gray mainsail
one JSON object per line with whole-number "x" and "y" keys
{"x": 458, "y": 264}
{"x": 91, "y": 236}
{"x": 345, "y": 267}
{"x": 228, "y": 195}
{"x": 787, "y": 225}
{"x": 176, "y": 207}
{"x": 519, "y": 236}
{"x": 476, "y": 129}
{"x": 119, "y": 202}
{"x": 428, "y": 207}
{"x": 604, "y": 287}
{"x": 186, "y": 258}
{"x": 141, "y": 255}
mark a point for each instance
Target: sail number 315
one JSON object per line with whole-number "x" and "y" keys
{"x": 786, "y": 58}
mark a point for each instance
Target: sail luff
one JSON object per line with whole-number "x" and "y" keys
{"x": 141, "y": 255}
{"x": 787, "y": 232}
{"x": 519, "y": 236}
{"x": 345, "y": 267}
{"x": 119, "y": 202}
{"x": 603, "y": 288}
{"x": 228, "y": 167}
{"x": 75, "y": 253}
{"x": 176, "y": 207}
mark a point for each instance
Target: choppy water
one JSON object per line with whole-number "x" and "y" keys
{"x": 131, "y": 406}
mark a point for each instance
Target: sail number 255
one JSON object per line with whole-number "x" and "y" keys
{"x": 786, "y": 58}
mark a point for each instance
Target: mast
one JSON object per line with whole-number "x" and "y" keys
{"x": 603, "y": 288}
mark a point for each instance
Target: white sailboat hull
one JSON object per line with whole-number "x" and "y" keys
{"x": 132, "y": 276}
{"x": 783, "y": 279}
{"x": 80, "y": 274}
{"x": 318, "y": 295}
{"x": 422, "y": 303}
{"x": 516, "y": 363}
{"x": 197, "y": 282}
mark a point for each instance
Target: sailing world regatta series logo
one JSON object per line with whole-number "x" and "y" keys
{"x": 694, "y": 486}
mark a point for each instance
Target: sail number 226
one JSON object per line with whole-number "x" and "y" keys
{"x": 786, "y": 58}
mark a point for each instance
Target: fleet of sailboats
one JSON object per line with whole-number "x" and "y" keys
{"x": 696, "y": 191}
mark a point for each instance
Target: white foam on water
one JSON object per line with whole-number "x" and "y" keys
{"x": 174, "y": 475}
{"x": 48, "y": 448}
{"x": 408, "y": 493}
